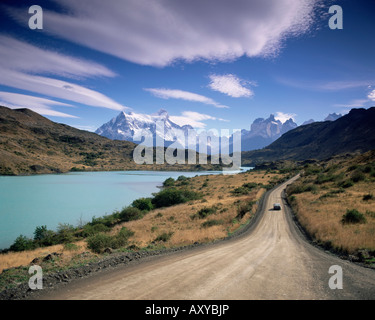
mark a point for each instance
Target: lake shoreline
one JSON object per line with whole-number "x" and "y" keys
{"x": 152, "y": 180}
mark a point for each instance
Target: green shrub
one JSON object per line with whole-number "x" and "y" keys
{"x": 40, "y": 232}
{"x": 65, "y": 233}
{"x": 352, "y": 168}
{"x": 250, "y": 185}
{"x": 22, "y": 243}
{"x": 130, "y": 214}
{"x": 172, "y": 196}
{"x": 329, "y": 177}
{"x": 44, "y": 237}
{"x": 357, "y": 176}
{"x": 121, "y": 239}
{"x": 244, "y": 208}
{"x": 182, "y": 178}
{"x": 205, "y": 212}
{"x": 164, "y": 237}
{"x": 244, "y": 189}
{"x": 311, "y": 170}
{"x": 346, "y": 184}
{"x": 353, "y": 216}
{"x": 143, "y": 204}
{"x": 211, "y": 223}
{"x": 368, "y": 197}
{"x": 301, "y": 188}
{"x": 99, "y": 242}
{"x": 90, "y": 230}
{"x": 331, "y": 194}
{"x": 108, "y": 220}
{"x": 169, "y": 182}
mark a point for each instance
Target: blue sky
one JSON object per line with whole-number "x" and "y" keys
{"x": 212, "y": 64}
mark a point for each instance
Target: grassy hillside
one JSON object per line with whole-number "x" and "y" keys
{"x": 334, "y": 201}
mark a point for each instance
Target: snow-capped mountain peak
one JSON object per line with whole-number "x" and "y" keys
{"x": 126, "y": 126}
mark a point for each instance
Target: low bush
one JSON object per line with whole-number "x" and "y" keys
{"x": 108, "y": 220}
{"x": 345, "y": 184}
{"x": 332, "y": 194}
{"x": 143, "y": 204}
{"x": 244, "y": 208}
{"x": 169, "y": 182}
{"x": 90, "y": 230}
{"x": 98, "y": 242}
{"x": 130, "y": 214}
{"x": 172, "y": 196}
{"x": 244, "y": 189}
{"x": 211, "y": 223}
{"x": 329, "y": 177}
{"x": 357, "y": 176}
{"x": 164, "y": 237}
{"x": 368, "y": 197}
{"x": 353, "y": 216}
{"x": 301, "y": 188}
{"x": 121, "y": 239}
{"x": 205, "y": 212}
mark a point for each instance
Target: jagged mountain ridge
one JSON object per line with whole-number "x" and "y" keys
{"x": 126, "y": 126}
{"x": 264, "y": 131}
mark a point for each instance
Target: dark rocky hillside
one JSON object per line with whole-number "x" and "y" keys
{"x": 352, "y": 133}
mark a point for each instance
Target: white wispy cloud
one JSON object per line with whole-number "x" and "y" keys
{"x": 324, "y": 85}
{"x": 25, "y": 57}
{"x": 371, "y": 95}
{"x": 231, "y": 85}
{"x": 27, "y": 67}
{"x": 58, "y": 89}
{"x": 195, "y": 119}
{"x": 183, "y": 95}
{"x": 37, "y": 104}
{"x": 160, "y": 32}
{"x": 283, "y": 117}
{"x": 354, "y": 103}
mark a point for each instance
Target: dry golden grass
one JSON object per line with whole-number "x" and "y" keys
{"x": 322, "y": 216}
{"x": 322, "y": 219}
{"x": 216, "y": 190}
{"x": 16, "y": 259}
{"x": 177, "y": 219}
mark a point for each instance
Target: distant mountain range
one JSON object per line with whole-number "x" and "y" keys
{"x": 126, "y": 126}
{"x": 129, "y": 126}
{"x": 351, "y": 133}
{"x": 30, "y": 143}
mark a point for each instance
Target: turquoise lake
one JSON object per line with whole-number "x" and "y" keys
{"x": 30, "y": 201}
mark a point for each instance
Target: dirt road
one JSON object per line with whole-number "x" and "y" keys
{"x": 273, "y": 261}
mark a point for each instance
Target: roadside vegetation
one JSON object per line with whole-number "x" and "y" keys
{"x": 185, "y": 211}
{"x": 334, "y": 202}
